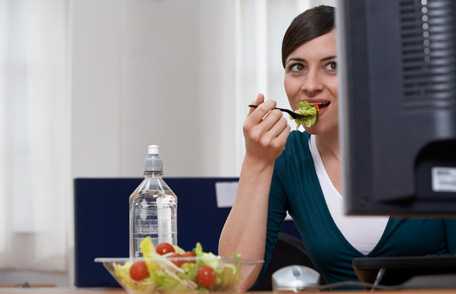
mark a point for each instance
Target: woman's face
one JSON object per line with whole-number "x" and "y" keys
{"x": 310, "y": 74}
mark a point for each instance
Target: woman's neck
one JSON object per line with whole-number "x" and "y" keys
{"x": 328, "y": 145}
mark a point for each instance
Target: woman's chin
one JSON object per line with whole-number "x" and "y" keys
{"x": 320, "y": 128}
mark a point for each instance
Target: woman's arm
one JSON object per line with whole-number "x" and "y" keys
{"x": 244, "y": 232}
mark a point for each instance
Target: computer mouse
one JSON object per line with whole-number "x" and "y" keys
{"x": 295, "y": 278}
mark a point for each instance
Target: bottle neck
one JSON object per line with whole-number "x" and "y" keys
{"x": 152, "y": 174}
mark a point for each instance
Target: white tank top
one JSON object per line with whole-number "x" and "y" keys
{"x": 362, "y": 232}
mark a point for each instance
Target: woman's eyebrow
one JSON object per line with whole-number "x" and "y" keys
{"x": 328, "y": 58}
{"x": 296, "y": 59}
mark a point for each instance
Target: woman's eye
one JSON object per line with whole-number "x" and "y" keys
{"x": 296, "y": 67}
{"x": 331, "y": 67}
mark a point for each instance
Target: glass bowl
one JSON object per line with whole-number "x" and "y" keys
{"x": 161, "y": 274}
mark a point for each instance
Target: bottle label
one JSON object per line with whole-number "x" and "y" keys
{"x": 164, "y": 218}
{"x": 146, "y": 221}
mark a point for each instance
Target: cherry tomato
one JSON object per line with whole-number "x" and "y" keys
{"x": 205, "y": 277}
{"x": 164, "y": 248}
{"x": 138, "y": 271}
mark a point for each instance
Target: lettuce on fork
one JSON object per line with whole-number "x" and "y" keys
{"x": 311, "y": 114}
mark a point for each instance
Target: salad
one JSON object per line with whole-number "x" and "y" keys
{"x": 311, "y": 114}
{"x": 168, "y": 268}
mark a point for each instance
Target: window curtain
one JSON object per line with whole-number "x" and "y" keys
{"x": 35, "y": 189}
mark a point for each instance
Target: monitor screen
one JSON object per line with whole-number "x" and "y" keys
{"x": 397, "y": 62}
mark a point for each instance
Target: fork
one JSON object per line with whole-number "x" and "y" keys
{"x": 293, "y": 114}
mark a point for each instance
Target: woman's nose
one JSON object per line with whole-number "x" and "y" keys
{"x": 311, "y": 85}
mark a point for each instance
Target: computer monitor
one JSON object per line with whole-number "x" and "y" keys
{"x": 397, "y": 62}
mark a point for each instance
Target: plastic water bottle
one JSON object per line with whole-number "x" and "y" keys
{"x": 153, "y": 206}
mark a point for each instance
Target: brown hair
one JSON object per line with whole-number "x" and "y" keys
{"x": 308, "y": 25}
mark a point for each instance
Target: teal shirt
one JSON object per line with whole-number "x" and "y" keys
{"x": 295, "y": 188}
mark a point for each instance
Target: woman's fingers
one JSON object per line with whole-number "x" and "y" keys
{"x": 257, "y": 130}
{"x": 258, "y": 100}
{"x": 280, "y": 140}
{"x": 271, "y": 119}
{"x": 274, "y": 131}
{"x": 257, "y": 115}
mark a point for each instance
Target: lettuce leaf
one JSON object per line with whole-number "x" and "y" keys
{"x": 190, "y": 270}
{"x": 167, "y": 280}
{"x": 122, "y": 273}
{"x": 198, "y": 249}
{"x": 226, "y": 276}
{"x": 204, "y": 258}
{"x": 210, "y": 259}
{"x": 147, "y": 247}
{"x": 311, "y": 114}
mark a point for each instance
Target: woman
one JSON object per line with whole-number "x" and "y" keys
{"x": 301, "y": 173}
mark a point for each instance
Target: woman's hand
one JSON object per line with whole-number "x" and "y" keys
{"x": 265, "y": 131}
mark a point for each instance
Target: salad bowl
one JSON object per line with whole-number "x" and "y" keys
{"x": 179, "y": 271}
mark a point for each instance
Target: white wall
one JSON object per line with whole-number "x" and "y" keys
{"x": 152, "y": 72}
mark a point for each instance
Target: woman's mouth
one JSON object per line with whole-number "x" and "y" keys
{"x": 321, "y": 104}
